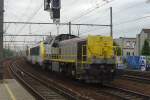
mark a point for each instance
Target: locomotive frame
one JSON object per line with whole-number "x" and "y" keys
{"x": 90, "y": 59}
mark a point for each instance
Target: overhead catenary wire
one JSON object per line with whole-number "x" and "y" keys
{"x": 91, "y": 10}
{"x": 121, "y": 23}
{"x": 23, "y": 14}
{"x": 37, "y": 10}
{"x": 31, "y": 17}
{"x": 98, "y": 6}
{"x": 11, "y": 38}
{"x": 55, "y": 24}
{"x": 119, "y": 11}
{"x": 114, "y": 13}
{"x": 126, "y": 8}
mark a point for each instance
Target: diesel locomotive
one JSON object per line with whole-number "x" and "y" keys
{"x": 90, "y": 59}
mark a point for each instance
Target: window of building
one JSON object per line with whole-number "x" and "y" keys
{"x": 128, "y": 53}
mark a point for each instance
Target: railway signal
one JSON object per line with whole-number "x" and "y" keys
{"x": 53, "y": 6}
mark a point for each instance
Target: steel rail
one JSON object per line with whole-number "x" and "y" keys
{"x": 58, "y": 88}
{"x": 70, "y": 95}
{"x": 124, "y": 94}
{"x": 38, "y": 93}
{"x": 136, "y": 78}
{"x": 39, "y": 96}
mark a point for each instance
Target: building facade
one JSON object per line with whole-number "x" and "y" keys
{"x": 127, "y": 45}
{"x": 140, "y": 38}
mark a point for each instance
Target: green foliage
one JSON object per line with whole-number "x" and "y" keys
{"x": 7, "y": 53}
{"x": 117, "y": 49}
{"x": 146, "y": 48}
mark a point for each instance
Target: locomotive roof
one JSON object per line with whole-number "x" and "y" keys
{"x": 59, "y": 37}
{"x": 74, "y": 40}
{"x": 67, "y": 35}
{"x": 62, "y": 37}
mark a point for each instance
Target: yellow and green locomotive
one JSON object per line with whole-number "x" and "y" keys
{"x": 90, "y": 59}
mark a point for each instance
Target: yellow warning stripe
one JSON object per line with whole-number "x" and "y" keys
{"x": 10, "y": 92}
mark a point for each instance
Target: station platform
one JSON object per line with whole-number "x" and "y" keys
{"x": 10, "y": 89}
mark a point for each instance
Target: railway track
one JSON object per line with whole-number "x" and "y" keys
{"x": 142, "y": 77}
{"x": 123, "y": 94}
{"x": 136, "y": 78}
{"x": 107, "y": 90}
{"x": 137, "y": 73}
{"x": 38, "y": 87}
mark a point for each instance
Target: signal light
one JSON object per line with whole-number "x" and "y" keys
{"x": 53, "y": 6}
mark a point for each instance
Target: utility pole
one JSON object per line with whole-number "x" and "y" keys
{"x": 1, "y": 37}
{"x": 27, "y": 49}
{"x": 111, "y": 22}
{"x": 70, "y": 28}
{"x": 50, "y": 33}
{"x": 78, "y": 29}
{"x": 57, "y": 29}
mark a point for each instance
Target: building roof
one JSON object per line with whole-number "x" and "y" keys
{"x": 146, "y": 30}
{"x": 127, "y": 37}
{"x": 124, "y": 38}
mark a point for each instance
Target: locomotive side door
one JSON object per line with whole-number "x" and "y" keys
{"x": 82, "y": 52}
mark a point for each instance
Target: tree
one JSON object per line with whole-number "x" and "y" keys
{"x": 7, "y": 53}
{"x": 146, "y": 48}
{"x": 117, "y": 49}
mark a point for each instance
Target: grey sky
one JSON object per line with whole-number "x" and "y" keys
{"x": 125, "y": 13}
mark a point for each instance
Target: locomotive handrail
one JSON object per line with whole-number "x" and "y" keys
{"x": 115, "y": 51}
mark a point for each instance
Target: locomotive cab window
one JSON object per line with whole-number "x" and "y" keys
{"x": 55, "y": 44}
